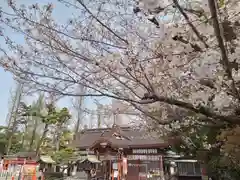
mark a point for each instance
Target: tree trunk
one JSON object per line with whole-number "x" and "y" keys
{"x": 57, "y": 142}
{"x": 40, "y": 106}
{"x": 58, "y": 136}
{"x": 33, "y": 134}
{"x": 69, "y": 170}
{"x": 42, "y": 138}
{"x": 23, "y": 136}
{"x": 79, "y": 111}
{"x": 12, "y": 124}
{"x": 98, "y": 117}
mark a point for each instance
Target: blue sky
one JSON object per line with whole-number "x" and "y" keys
{"x": 6, "y": 80}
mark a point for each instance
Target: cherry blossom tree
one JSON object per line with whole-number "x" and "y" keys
{"x": 175, "y": 63}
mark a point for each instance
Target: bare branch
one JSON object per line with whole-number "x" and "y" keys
{"x": 100, "y": 22}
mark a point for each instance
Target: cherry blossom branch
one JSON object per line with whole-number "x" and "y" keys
{"x": 100, "y": 22}
{"x": 19, "y": 14}
{"x": 148, "y": 114}
{"x": 190, "y": 23}
{"x": 181, "y": 104}
{"x": 199, "y": 110}
{"x": 147, "y": 79}
{"x": 223, "y": 50}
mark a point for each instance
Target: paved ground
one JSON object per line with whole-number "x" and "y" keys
{"x": 75, "y": 178}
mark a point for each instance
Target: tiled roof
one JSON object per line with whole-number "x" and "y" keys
{"x": 132, "y": 138}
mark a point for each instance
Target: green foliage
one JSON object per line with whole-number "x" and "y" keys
{"x": 3, "y": 140}
{"x": 65, "y": 138}
{"x": 16, "y": 141}
{"x": 64, "y": 155}
{"x": 193, "y": 139}
{"x": 63, "y": 115}
{"x": 218, "y": 148}
{"x": 51, "y": 116}
{"x": 47, "y": 115}
{"x": 219, "y": 168}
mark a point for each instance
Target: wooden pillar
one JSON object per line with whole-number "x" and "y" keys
{"x": 161, "y": 167}
{"x": 119, "y": 166}
{"x": 124, "y": 167}
{"x": 119, "y": 169}
{"x": 111, "y": 171}
{"x": 138, "y": 166}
